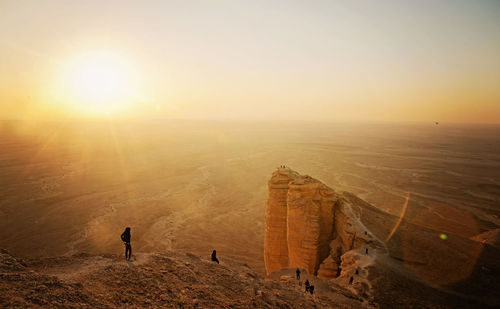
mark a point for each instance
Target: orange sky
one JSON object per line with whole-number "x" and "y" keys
{"x": 287, "y": 60}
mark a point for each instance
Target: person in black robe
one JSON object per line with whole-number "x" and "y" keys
{"x": 126, "y": 240}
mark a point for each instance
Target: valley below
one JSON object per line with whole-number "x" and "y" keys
{"x": 196, "y": 186}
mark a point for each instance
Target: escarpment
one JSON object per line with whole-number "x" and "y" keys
{"x": 310, "y": 206}
{"x": 308, "y": 225}
{"x": 275, "y": 241}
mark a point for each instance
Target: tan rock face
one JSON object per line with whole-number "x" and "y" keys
{"x": 275, "y": 239}
{"x": 299, "y": 222}
{"x": 329, "y": 269}
{"x": 307, "y": 225}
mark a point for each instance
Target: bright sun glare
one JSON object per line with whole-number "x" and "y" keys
{"x": 97, "y": 83}
{"x": 98, "y": 80}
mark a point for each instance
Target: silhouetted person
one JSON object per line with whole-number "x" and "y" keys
{"x": 298, "y": 273}
{"x": 214, "y": 257}
{"x": 351, "y": 279}
{"x": 126, "y": 240}
{"x": 366, "y": 250}
{"x": 307, "y": 285}
{"x": 357, "y": 272}
{"x": 311, "y": 289}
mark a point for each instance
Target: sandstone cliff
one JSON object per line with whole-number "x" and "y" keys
{"x": 275, "y": 241}
{"x": 310, "y": 226}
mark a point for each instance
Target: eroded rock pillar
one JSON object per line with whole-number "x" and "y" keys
{"x": 275, "y": 238}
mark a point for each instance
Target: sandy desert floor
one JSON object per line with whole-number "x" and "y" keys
{"x": 198, "y": 185}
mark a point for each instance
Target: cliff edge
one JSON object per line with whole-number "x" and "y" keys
{"x": 310, "y": 226}
{"x": 337, "y": 238}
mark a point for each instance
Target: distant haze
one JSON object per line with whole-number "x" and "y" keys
{"x": 288, "y": 60}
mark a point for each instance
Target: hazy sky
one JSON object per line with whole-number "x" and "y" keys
{"x": 313, "y": 60}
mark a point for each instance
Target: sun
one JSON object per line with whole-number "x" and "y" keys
{"x": 97, "y": 83}
{"x": 98, "y": 80}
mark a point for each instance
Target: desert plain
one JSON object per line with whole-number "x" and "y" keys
{"x": 195, "y": 186}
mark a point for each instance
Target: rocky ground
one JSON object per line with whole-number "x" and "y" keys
{"x": 183, "y": 280}
{"x": 167, "y": 280}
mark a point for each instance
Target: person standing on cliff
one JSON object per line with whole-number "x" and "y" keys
{"x": 126, "y": 240}
{"x": 214, "y": 257}
{"x": 307, "y": 285}
{"x": 298, "y": 273}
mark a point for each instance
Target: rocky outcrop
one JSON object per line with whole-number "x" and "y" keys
{"x": 308, "y": 225}
{"x": 170, "y": 279}
{"x": 275, "y": 241}
{"x": 8, "y": 262}
{"x": 329, "y": 268}
{"x": 325, "y": 233}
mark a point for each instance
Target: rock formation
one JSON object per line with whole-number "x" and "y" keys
{"x": 308, "y": 225}
{"x": 275, "y": 241}
{"x": 309, "y": 222}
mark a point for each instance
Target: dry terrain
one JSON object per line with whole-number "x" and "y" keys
{"x": 167, "y": 280}
{"x": 195, "y": 186}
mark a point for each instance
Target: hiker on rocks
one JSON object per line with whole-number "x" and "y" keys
{"x": 126, "y": 240}
{"x": 214, "y": 257}
{"x": 366, "y": 250}
{"x": 298, "y": 273}
{"x": 351, "y": 279}
{"x": 307, "y": 285}
{"x": 311, "y": 289}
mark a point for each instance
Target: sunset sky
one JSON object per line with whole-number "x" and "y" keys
{"x": 252, "y": 60}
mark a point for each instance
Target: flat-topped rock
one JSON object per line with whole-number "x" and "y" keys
{"x": 308, "y": 225}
